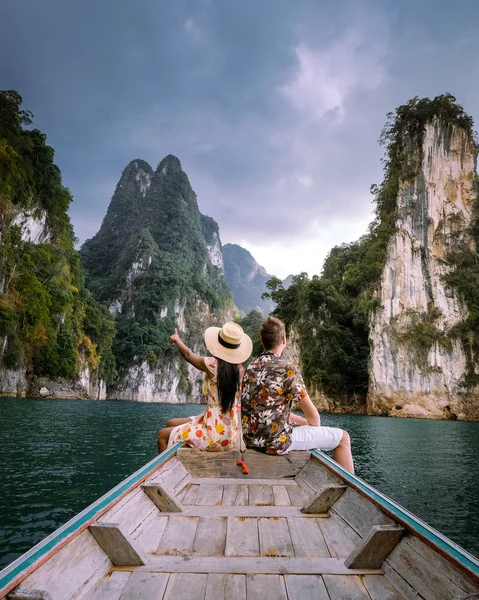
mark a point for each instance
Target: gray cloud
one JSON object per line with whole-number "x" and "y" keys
{"x": 274, "y": 108}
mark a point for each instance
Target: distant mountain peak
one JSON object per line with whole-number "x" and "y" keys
{"x": 169, "y": 165}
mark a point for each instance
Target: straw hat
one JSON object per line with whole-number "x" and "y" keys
{"x": 229, "y": 342}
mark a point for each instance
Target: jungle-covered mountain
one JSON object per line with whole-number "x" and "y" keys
{"x": 50, "y": 324}
{"x": 394, "y": 317}
{"x": 157, "y": 263}
{"x": 246, "y": 279}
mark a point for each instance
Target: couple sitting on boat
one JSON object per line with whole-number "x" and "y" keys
{"x": 265, "y": 394}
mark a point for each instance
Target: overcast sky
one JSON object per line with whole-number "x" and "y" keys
{"x": 274, "y": 107}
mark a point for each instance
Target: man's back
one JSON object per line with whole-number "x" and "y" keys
{"x": 270, "y": 386}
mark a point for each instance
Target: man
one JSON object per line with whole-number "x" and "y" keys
{"x": 271, "y": 385}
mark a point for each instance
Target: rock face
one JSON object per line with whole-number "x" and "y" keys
{"x": 246, "y": 279}
{"x": 157, "y": 263}
{"x": 409, "y": 377}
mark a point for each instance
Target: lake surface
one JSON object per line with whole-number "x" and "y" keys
{"x": 58, "y": 456}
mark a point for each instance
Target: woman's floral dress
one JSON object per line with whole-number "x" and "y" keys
{"x": 212, "y": 430}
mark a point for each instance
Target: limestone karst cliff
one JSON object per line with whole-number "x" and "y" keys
{"x": 55, "y": 339}
{"x": 419, "y": 363}
{"x": 157, "y": 262}
{"x": 391, "y": 326}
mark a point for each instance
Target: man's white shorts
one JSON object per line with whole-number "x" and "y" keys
{"x": 306, "y": 437}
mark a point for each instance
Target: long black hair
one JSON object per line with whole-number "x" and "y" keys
{"x": 228, "y": 383}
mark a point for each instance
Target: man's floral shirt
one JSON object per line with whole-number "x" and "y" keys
{"x": 270, "y": 387}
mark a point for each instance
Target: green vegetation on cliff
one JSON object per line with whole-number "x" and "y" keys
{"x": 150, "y": 262}
{"x": 48, "y": 320}
{"x": 331, "y": 312}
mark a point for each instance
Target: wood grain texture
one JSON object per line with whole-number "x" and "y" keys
{"x": 242, "y": 496}
{"x": 305, "y": 587}
{"x": 242, "y": 537}
{"x": 82, "y": 562}
{"x": 244, "y": 511}
{"x": 261, "y": 495}
{"x": 265, "y": 587}
{"x": 250, "y": 565}
{"x": 375, "y": 547}
{"x": 223, "y": 464}
{"x": 274, "y": 537}
{"x": 178, "y": 536}
{"x": 281, "y": 497}
{"x": 359, "y": 513}
{"x": 230, "y": 493}
{"x": 297, "y": 496}
{"x": 225, "y": 587}
{"x": 130, "y": 512}
{"x": 324, "y": 498}
{"x": 210, "y": 537}
{"x": 340, "y": 538}
{"x": 116, "y": 544}
{"x": 186, "y": 586}
{"x": 379, "y": 588}
{"x": 190, "y": 496}
{"x": 148, "y": 536}
{"x": 307, "y": 537}
{"x": 172, "y": 476}
{"x": 146, "y": 586}
{"x": 109, "y": 588}
{"x": 313, "y": 476}
{"x": 427, "y": 573}
{"x": 162, "y": 499}
{"x": 29, "y": 595}
{"x": 209, "y": 495}
{"x": 345, "y": 588}
{"x": 247, "y": 480}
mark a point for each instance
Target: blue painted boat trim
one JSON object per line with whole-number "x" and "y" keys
{"x": 15, "y": 569}
{"x": 433, "y": 537}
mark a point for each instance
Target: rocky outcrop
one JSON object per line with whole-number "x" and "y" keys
{"x": 417, "y": 367}
{"x": 246, "y": 279}
{"x": 166, "y": 272}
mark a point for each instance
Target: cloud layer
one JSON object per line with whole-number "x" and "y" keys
{"x": 274, "y": 108}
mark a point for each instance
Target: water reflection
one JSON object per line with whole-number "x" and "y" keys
{"x": 57, "y": 456}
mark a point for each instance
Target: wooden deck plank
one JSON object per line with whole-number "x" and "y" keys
{"x": 148, "y": 537}
{"x": 220, "y": 586}
{"x": 178, "y": 536}
{"x": 242, "y": 537}
{"x": 274, "y": 537}
{"x": 210, "y": 537}
{"x": 109, "y": 588}
{"x": 223, "y": 464}
{"x": 130, "y": 512}
{"x": 250, "y": 565}
{"x": 148, "y": 586}
{"x": 116, "y": 544}
{"x": 345, "y": 588}
{"x": 307, "y": 537}
{"x": 173, "y": 476}
{"x": 229, "y": 495}
{"x": 359, "y": 513}
{"x": 305, "y": 587}
{"x": 313, "y": 476}
{"x": 265, "y": 587}
{"x": 339, "y": 537}
{"x": 398, "y": 582}
{"x": 425, "y": 576}
{"x": 189, "y": 498}
{"x": 379, "y": 588}
{"x": 182, "y": 493}
{"x": 209, "y": 495}
{"x": 79, "y": 562}
{"x": 242, "y": 497}
{"x": 297, "y": 496}
{"x": 281, "y": 497}
{"x": 246, "y": 479}
{"x": 244, "y": 511}
{"x": 187, "y": 586}
{"x": 261, "y": 495}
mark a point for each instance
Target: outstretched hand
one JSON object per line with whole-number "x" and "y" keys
{"x": 175, "y": 338}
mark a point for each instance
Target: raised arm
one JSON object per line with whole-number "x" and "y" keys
{"x": 195, "y": 359}
{"x": 310, "y": 411}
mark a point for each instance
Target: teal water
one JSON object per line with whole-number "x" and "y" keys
{"x": 58, "y": 456}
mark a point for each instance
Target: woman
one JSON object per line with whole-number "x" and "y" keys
{"x": 217, "y": 429}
